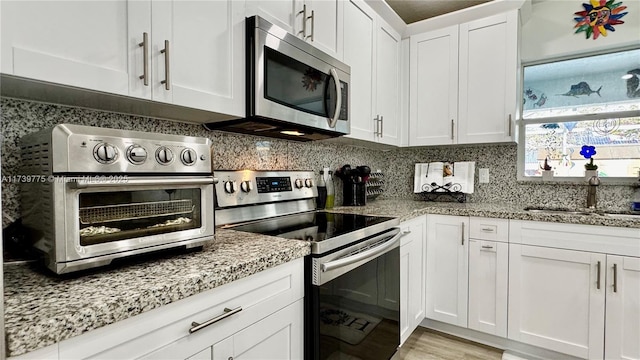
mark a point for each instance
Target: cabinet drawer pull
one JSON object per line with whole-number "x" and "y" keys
{"x": 377, "y": 122}
{"x": 487, "y": 247}
{"x": 615, "y": 277}
{"x": 304, "y": 21}
{"x": 381, "y": 125}
{"x": 313, "y": 27}
{"x": 406, "y": 231}
{"x": 509, "y": 120}
{"x": 488, "y": 229}
{"x": 227, "y": 312}
{"x": 167, "y": 74}
{"x": 598, "y": 276}
{"x": 462, "y": 233}
{"x": 452, "y": 129}
{"x": 145, "y": 58}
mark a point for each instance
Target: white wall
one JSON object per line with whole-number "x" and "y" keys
{"x": 549, "y": 33}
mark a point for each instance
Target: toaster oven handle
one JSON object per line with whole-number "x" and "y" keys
{"x": 84, "y": 184}
{"x": 336, "y": 114}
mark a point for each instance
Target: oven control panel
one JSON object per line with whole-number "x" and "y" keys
{"x": 246, "y": 187}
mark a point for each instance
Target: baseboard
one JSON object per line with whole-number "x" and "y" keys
{"x": 513, "y": 350}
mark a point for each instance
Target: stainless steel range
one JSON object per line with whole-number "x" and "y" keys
{"x": 91, "y": 195}
{"x": 353, "y": 273}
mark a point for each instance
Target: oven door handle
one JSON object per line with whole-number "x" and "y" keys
{"x": 119, "y": 182}
{"x": 368, "y": 254}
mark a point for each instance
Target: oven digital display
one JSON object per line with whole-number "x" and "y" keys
{"x": 273, "y": 184}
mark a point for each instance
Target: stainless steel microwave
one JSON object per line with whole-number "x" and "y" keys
{"x": 294, "y": 90}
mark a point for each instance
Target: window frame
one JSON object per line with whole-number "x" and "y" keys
{"x": 521, "y": 124}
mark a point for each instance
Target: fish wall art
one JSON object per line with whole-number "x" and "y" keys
{"x": 599, "y": 16}
{"x": 581, "y": 88}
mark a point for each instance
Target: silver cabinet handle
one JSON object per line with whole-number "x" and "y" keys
{"x": 487, "y": 247}
{"x": 334, "y": 120}
{"x": 598, "y": 276}
{"x": 227, "y": 312}
{"x": 145, "y": 58}
{"x": 452, "y": 129}
{"x": 167, "y": 74}
{"x": 406, "y": 231}
{"x": 488, "y": 229}
{"x": 381, "y": 126}
{"x": 304, "y": 21}
{"x": 462, "y": 233}
{"x": 509, "y": 120}
{"x": 313, "y": 28}
{"x": 615, "y": 277}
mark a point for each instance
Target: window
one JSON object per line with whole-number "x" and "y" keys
{"x": 573, "y": 104}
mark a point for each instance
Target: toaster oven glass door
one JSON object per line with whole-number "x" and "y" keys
{"x": 121, "y": 215}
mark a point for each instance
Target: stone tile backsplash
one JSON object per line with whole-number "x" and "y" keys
{"x": 233, "y": 151}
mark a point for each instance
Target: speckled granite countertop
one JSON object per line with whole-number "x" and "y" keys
{"x": 41, "y": 310}
{"x": 407, "y": 209}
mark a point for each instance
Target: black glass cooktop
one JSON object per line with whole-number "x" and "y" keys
{"x": 312, "y": 226}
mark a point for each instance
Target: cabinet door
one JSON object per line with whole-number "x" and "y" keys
{"x": 278, "y": 337}
{"x": 557, "y": 300}
{"x": 387, "y": 83}
{"x": 433, "y": 87}
{"x": 488, "y": 284}
{"x": 411, "y": 276}
{"x": 488, "y": 68}
{"x": 324, "y": 26}
{"x": 206, "y": 43}
{"x": 66, "y": 42}
{"x": 623, "y": 308}
{"x": 447, "y": 269}
{"x": 279, "y": 12}
{"x": 358, "y": 54}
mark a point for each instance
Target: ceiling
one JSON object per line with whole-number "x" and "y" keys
{"x": 415, "y": 10}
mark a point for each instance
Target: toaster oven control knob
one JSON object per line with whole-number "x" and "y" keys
{"x": 246, "y": 186}
{"x": 188, "y": 156}
{"x": 230, "y": 187}
{"x": 136, "y": 154}
{"x": 299, "y": 184}
{"x": 308, "y": 183}
{"x": 164, "y": 155}
{"x": 105, "y": 153}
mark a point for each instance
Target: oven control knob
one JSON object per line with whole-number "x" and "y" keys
{"x": 246, "y": 186}
{"x": 299, "y": 184}
{"x": 230, "y": 187}
{"x": 136, "y": 154}
{"x": 105, "y": 153}
{"x": 308, "y": 183}
{"x": 188, "y": 156}
{"x": 164, "y": 155}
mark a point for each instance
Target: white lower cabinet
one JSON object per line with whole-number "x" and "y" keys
{"x": 488, "y": 282}
{"x": 622, "y": 328}
{"x": 269, "y": 325}
{"x": 412, "y": 275}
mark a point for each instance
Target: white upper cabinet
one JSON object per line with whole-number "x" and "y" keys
{"x": 65, "y": 42}
{"x": 463, "y": 82}
{"x": 387, "y": 88}
{"x": 324, "y": 25}
{"x": 488, "y": 68}
{"x": 433, "y": 87}
{"x": 372, "y": 50}
{"x": 185, "y": 53}
{"x": 358, "y": 54}
{"x": 206, "y": 44}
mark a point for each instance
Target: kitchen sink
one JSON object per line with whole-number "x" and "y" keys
{"x": 545, "y": 210}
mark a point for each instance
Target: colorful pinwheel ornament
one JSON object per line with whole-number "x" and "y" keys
{"x": 599, "y": 16}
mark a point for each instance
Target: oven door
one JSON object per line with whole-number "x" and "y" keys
{"x": 115, "y": 215}
{"x": 293, "y": 85}
{"x": 353, "y": 301}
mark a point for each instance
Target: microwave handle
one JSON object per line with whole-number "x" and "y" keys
{"x": 334, "y": 119}
{"x": 84, "y": 184}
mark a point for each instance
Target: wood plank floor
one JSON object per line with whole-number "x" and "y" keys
{"x": 425, "y": 344}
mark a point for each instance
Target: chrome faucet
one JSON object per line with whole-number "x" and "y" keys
{"x": 594, "y": 181}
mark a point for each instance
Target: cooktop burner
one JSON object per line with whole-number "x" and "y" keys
{"x": 315, "y": 226}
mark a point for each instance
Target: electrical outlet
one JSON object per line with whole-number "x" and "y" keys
{"x": 484, "y": 176}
